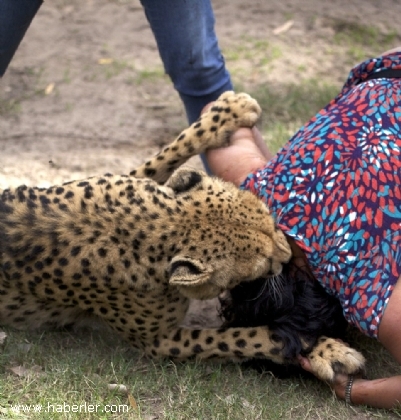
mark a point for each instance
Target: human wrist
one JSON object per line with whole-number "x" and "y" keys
{"x": 357, "y": 392}
{"x": 339, "y": 386}
{"x": 348, "y": 389}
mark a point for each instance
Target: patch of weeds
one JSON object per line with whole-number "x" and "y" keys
{"x": 362, "y": 41}
{"x": 301, "y": 68}
{"x": 354, "y": 33}
{"x": 277, "y": 134}
{"x": 355, "y": 54}
{"x": 259, "y": 44}
{"x": 24, "y": 84}
{"x": 237, "y": 52}
{"x": 90, "y": 77}
{"x": 251, "y": 58}
{"x": 255, "y": 50}
{"x": 68, "y": 107}
{"x": 149, "y": 75}
{"x": 112, "y": 68}
{"x": 9, "y": 106}
{"x": 116, "y": 67}
{"x": 67, "y": 76}
{"x": 287, "y": 108}
{"x": 288, "y": 16}
{"x": 37, "y": 75}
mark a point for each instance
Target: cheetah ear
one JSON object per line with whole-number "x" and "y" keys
{"x": 188, "y": 272}
{"x": 184, "y": 180}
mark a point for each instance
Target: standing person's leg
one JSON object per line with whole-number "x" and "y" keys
{"x": 188, "y": 47}
{"x": 15, "y": 18}
{"x": 184, "y": 32}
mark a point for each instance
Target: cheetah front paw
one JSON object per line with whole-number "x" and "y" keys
{"x": 242, "y": 106}
{"x": 330, "y": 357}
{"x": 230, "y": 112}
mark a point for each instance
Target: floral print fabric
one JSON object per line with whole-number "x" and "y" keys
{"x": 335, "y": 188}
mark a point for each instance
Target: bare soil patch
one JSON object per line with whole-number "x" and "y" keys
{"x": 85, "y": 93}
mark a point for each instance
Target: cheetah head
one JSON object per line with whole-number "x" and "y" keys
{"x": 231, "y": 237}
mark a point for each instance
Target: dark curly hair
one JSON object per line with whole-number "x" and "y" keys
{"x": 295, "y": 307}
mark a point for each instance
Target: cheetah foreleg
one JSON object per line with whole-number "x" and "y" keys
{"x": 331, "y": 356}
{"x": 213, "y": 129}
{"x": 327, "y": 358}
{"x": 235, "y": 344}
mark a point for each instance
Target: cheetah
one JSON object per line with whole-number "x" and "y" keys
{"x": 133, "y": 249}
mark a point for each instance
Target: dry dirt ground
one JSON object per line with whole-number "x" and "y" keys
{"x": 85, "y": 93}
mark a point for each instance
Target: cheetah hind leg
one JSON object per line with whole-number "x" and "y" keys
{"x": 330, "y": 357}
{"x": 213, "y": 129}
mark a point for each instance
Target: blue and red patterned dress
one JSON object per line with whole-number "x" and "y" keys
{"x": 335, "y": 188}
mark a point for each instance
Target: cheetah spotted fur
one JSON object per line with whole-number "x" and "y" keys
{"x": 133, "y": 249}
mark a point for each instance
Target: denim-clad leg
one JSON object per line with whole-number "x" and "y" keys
{"x": 184, "y": 32}
{"x": 187, "y": 43}
{"x": 15, "y": 18}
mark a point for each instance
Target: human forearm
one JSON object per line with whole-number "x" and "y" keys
{"x": 379, "y": 393}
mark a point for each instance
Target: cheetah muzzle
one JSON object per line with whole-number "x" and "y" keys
{"x": 132, "y": 249}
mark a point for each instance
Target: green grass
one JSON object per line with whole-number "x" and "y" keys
{"x": 150, "y": 76}
{"x": 74, "y": 368}
{"x": 28, "y": 86}
{"x": 287, "y": 108}
{"x": 9, "y": 106}
{"x": 360, "y": 40}
{"x": 253, "y": 49}
{"x": 110, "y": 68}
{"x": 365, "y": 35}
{"x": 251, "y": 55}
{"x": 115, "y": 67}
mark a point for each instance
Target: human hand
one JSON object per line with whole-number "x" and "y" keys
{"x": 240, "y": 158}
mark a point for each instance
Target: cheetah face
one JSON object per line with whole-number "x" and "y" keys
{"x": 197, "y": 280}
{"x": 230, "y": 237}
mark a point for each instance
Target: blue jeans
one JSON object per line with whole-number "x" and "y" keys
{"x": 15, "y": 18}
{"x": 184, "y": 32}
{"x": 188, "y": 47}
{"x": 185, "y": 36}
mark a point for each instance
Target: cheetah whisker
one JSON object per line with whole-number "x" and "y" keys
{"x": 276, "y": 284}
